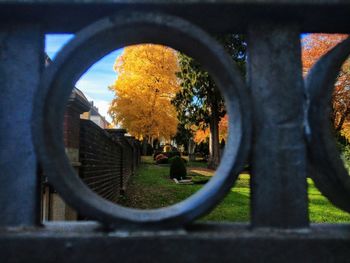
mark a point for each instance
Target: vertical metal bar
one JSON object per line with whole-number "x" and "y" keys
{"x": 122, "y": 174}
{"x": 21, "y": 60}
{"x": 279, "y": 195}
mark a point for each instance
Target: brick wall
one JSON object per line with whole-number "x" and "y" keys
{"x": 136, "y": 150}
{"x": 53, "y": 207}
{"x": 71, "y": 128}
{"x": 108, "y": 159}
{"x": 101, "y": 161}
{"x": 129, "y": 166}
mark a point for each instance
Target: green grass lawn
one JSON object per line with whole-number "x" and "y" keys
{"x": 152, "y": 188}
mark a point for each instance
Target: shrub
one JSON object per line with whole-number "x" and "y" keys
{"x": 156, "y": 153}
{"x": 172, "y": 154}
{"x": 160, "y": 156}
{"x": 161, "y": 159}
{"x": 175, "y": 157}
{"x": 177, "y": 168}
{"x": 345, "y": 155}
{"x": 346, "y": 152}
{"x": 164, "y": 160}
{"x": 171, "y": 159}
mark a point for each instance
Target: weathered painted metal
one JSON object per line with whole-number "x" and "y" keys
{"x": 327, "y": 168}
{"x": 86, "y": 48}
{"x": 279, "y": 230}
{"x": 216, "y": 16}
{"x": 279, "y": 196}
{"x": 21, "y": 60}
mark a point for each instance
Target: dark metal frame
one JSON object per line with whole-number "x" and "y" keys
{"x": 88, "y": 46}
{"x": 327, "y": 169}
{"x": 289, "y": 137}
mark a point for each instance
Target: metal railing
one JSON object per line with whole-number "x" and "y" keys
{"x": 279, "y": 124}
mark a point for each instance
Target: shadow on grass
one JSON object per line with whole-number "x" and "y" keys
{"x": 151, "y": 187}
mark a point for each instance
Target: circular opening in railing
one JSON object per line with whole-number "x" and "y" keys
{"x": 162, "y": 103}
{"x": 165, "y": 130}
{"x": 327, "y": 71}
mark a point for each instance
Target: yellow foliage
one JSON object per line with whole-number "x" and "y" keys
{"x": 223, "y": 128}
{"x": 202, "y": 134}
{"x": 314, "y": 47}
{"x": 144, "y": 88}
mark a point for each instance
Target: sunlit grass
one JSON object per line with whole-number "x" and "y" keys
{"x": 321, "y": 210}
{"x": 151, "y": 187}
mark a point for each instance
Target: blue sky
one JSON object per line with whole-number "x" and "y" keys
{"x": 94, "y": 83}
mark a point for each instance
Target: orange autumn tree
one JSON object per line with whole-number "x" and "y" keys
{"x": 223, "y": 128}
{"x": 314, "y": 47}
{"x": 144, "y": 89}
{"x": 202, "y": 134}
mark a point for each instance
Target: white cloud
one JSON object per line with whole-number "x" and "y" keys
{"x": 101, "y": 96}
{"x": 94, "y": 83}
{"x": 91, "y": 88}
{"x": 103, "y": 107}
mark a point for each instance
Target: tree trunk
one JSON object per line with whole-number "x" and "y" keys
{"x": 144, "y": 147}
{"x": 191, "y": 148}
{"x": 214, "y": 145}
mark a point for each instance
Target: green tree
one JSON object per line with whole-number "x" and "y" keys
{"x": 199, "y": 102}
{"x": 183, "y": 135}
